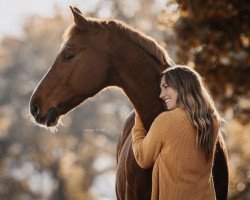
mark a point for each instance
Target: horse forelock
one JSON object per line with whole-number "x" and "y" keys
{"x": 72, "y": 30}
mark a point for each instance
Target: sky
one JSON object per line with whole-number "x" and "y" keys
{"x": 14, "y": 12}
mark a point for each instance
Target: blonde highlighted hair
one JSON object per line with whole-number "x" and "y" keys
{"x": 193, "y": 95}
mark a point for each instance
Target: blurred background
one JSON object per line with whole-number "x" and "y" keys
{"x": 78, "y": 162}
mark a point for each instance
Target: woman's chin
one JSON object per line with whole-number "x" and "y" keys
{"x": 170, "y": 107}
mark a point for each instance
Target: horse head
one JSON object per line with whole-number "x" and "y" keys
{"x": 79, "y": 71}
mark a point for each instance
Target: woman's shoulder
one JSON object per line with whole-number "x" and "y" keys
{"x": 173, "y": 115}
{"x": 178, "y": 112}
{"x": 169, "y": 120}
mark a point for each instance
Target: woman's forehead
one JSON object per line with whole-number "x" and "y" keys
{"x": 162, "y": 81}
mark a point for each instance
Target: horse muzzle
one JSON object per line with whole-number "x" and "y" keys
{"x": 49, "y": 120}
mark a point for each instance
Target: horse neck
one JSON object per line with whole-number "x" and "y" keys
{"x": 137, "y": 73}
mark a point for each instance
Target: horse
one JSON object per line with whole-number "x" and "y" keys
{"x": 100, "y": 53}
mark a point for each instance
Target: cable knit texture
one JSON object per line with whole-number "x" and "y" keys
{"x": 180, "y": 169}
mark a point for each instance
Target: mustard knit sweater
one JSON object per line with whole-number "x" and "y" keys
{"x": 180, "y": 170}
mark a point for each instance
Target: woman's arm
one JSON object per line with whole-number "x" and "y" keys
{"x": 146, "y": 147}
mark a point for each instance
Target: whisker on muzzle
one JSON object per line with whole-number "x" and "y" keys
{"x": 53, "y": 129}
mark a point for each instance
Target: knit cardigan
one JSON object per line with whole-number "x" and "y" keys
{"x": 180, "y": 169}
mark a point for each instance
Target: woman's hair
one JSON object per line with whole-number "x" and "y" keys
{"x": 193, "y": 95}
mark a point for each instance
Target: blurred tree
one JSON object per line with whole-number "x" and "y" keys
{"x": 214, "y": 37}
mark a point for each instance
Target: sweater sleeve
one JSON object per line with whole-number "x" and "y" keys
{"x": 146, "y": 147}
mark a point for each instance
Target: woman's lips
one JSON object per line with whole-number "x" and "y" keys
{"x": 167, "y": 100}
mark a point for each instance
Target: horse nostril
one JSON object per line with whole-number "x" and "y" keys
{"x": 34, "y": 109}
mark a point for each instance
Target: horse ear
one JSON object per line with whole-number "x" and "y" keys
{"x": 78, "y": 18}
{"x": 77, "y": 10}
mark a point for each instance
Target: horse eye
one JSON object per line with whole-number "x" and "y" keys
{"x": 67, "y": 57}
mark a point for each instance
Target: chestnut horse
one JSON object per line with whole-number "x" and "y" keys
{"x": 97, "y": 54}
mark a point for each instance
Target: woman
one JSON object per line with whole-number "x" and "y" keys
{"x": 181, "y": 141}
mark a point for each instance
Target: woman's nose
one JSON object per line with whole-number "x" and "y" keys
{"x": 161, "y": 95}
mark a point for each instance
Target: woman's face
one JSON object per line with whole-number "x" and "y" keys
{"x": 168, "y": 94}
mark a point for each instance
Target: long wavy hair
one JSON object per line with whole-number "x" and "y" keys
{"x": 193, "y": 95}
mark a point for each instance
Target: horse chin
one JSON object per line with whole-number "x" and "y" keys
{"x": 52, "y": 117}
{"x": 52, "y": 127}
{"x": 50, "y": 123}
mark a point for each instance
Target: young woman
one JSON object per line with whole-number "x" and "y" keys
{"x": 181, "y": 141}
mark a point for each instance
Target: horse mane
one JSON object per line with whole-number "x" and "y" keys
{"x": 142, "y": 40}
{"x": 137, "y": 37}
